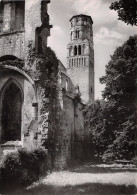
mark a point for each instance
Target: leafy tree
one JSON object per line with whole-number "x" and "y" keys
{"x": 121, "y": 89}
{"x": 121, "y": 74}
{"x": 126, "y": 10}
{"x": 100, "y": 121}
{"x": 112, "y": 121}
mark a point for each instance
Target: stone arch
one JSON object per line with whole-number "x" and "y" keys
{"x": 11, "y": 104}
{"x": 8, "y": 57}
{"x": 14, "y": 68}
{"x": 77, "y": 33}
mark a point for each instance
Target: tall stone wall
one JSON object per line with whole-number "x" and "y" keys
{"x": 12, "y": 44}
{"x": 71, "y": 132}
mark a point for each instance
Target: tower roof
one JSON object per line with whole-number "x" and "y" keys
{"x": 82, "y": 15}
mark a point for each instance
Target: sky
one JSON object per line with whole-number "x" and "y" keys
{"x": 108, "y": 32}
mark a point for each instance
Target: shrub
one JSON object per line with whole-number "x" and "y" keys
{"x": 134, "y": 160}
{"x": 24, "y": 167}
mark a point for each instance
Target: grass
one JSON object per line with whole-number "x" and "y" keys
{"x": 86, "y": 180}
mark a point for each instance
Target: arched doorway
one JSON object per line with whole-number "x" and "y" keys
{"x": 11, "y": 113}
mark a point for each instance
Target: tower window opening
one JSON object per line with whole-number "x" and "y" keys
{"x": 84, "y": 61}
{"x": 80, "y": 61}
{"x": 77, "y": 62}
{"x": 77, "y": 34}
{"x": 75, "y": 50}
{"x": 79, "y": 50}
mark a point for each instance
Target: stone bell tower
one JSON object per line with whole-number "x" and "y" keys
{"x": 80, "y": 60}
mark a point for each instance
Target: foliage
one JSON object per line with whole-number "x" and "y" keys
{"x": 23, "y": 167}
{"x": 113, "y": 120}
{"x": 100, "y": 120}
{"x": 17, "y": 63}
{"x": 121, "y": 74}
{"x": 43, "y": 68}
{"x": 126, "y": 10}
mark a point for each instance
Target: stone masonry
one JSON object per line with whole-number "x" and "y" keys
{"x": 60, "y": 127}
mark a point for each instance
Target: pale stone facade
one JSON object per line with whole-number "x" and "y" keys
{"x": 80, "y": 64}
{"x": 22, "y": 120}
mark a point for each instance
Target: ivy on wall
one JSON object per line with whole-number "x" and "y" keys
{"x": 43, "y": 68}
{"x": 17, "y": 63}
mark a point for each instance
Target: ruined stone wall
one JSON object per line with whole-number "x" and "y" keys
{"x": 79, "y": 132}
{"x": 71, "y": 132}
{"x": 48, "y": 110}
{"x": 37, "y": 27}
{"x": 12, "y": 44}
{"x": 65, "y": 133}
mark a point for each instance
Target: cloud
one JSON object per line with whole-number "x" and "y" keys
{"x": 97, "y": 9}
{"x": 106, "y": 35}
{"x": 56, "y": 40}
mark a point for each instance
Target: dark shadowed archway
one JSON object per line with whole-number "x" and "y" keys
{"x": 11, "y": 114}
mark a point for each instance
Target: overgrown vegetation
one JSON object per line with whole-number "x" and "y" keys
{"x": 23, "y": 167}
{"x": 43, "y": 68}
{"x": 16, "y": 62}
{"x": 112, "y": 120}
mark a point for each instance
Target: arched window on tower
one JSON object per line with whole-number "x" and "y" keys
{"x": 84, "y": 61}
{"x": 75, "y": 50}
{"x": 79, "y": 50}
{"x": 77, "y": 34}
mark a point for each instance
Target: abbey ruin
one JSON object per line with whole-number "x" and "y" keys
{"x": 42, "y": 100}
